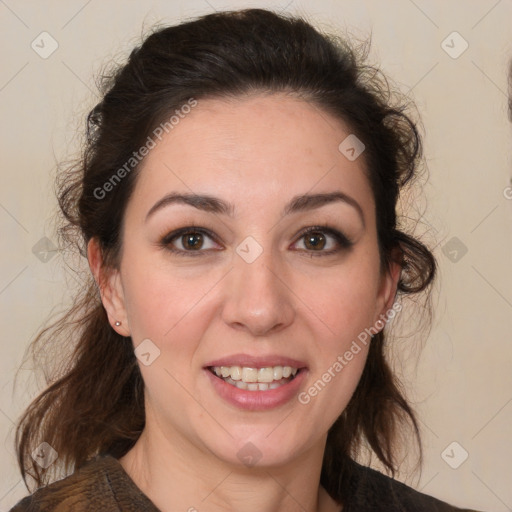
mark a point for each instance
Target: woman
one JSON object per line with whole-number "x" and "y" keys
{"x": 236, "y": 202}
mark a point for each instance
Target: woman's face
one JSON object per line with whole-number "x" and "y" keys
{"x": 232, "y": 281}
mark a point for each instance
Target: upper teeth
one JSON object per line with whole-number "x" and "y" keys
{"x": 248, "y": 374}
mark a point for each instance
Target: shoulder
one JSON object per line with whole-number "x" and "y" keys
{"x": 100, "y": 485}
{"x": 372, "y": 490}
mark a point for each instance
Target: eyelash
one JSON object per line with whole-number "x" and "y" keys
{"x": 343, "y": 241}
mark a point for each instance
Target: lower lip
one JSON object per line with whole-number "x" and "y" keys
{"x": 257, "y": 400}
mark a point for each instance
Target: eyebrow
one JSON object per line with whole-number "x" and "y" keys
{"x": 213, "y": 204}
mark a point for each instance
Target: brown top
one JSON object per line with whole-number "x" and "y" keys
{"x": 102, "y": 485}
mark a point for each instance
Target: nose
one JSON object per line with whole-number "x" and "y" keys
{"x": 258, "y": 298}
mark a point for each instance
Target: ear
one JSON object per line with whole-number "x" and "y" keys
{"x": 389, "y": 285}
{"x": 111, "y": 289}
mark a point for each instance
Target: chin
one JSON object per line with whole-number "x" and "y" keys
{"x": 258, "y": 449}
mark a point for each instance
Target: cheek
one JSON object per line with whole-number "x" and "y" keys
{"x": 160, "y": 302}
{"x": 344, "y": 305}
{"x": 340, "y": 352}
{"x": 346, "y": 301}
{"x": 170, "y": 309}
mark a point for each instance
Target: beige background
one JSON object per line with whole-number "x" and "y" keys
{"x": 462, "y": 383}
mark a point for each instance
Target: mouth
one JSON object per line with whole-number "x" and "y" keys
{"x": 250, "y": 378}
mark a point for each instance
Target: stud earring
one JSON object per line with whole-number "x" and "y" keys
{"x": 118, "y": 323}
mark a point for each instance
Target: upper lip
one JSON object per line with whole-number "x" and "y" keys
{"x": 256, "y": 361}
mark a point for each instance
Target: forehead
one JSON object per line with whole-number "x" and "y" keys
{"x": 259, "y": 148}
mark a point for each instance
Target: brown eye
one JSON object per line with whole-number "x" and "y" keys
{"x": 192, "y": 240}
{"x": 315, "y": 240}
{"x": 189, "y": 241}
{"x": 323, "y": 241}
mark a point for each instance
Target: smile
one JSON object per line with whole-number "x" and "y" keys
{"x": 255, "y": 379}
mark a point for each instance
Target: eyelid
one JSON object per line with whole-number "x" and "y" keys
{"x": 177, "y": 233}
{"x": 325, "y": 228}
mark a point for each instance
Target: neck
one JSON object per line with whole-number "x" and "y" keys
{"x": 179, "y": 476}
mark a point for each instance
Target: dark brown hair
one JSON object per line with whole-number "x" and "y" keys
{"x": 96, "y": 403}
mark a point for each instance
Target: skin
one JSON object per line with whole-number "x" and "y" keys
{"x": 257, "y": 153}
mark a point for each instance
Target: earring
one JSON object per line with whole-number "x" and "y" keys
{"x": 118, "y": 323}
